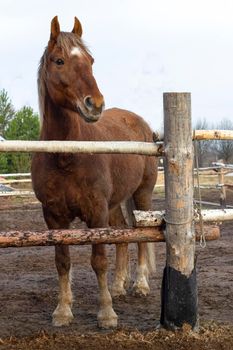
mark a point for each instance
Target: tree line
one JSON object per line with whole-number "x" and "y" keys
{"x": 22, "y": 124}
{"x": 213, "y": 151}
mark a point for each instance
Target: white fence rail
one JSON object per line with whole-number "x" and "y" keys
{"x": 215, "y": 167}
{"x": 132, "y": 147}
{"x": 16, "y": 175}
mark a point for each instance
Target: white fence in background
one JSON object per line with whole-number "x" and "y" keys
{"x": 217, "y": 169}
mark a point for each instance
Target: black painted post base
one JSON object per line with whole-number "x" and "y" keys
{"x": 179, "y": 299}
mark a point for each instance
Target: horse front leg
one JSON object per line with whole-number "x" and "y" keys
{"x": 106, "y": 317}
{"x": 62, "y": 315}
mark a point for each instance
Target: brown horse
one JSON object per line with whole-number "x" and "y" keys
{"x": 91, "y": 187}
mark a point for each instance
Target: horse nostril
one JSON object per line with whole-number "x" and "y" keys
{"x": 88, "y": 102}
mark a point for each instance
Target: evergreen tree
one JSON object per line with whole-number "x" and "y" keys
{"x": 24, "y": 126}
{"x": 7, "y": 111}
{"x": 3, "y": 163}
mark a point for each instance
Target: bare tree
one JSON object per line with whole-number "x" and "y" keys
{"x": 203, "y": 147}
{"x": 224, "y": 149}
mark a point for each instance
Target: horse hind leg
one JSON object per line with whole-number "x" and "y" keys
{"x": 146, "y": 265}
{"x": 146, "y": 252}
{"x": 121, "y": 280}
{"x": 62, "y": 315}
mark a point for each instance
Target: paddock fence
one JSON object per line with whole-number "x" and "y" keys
{"x": 176, "y": 222}
{"x": 214, "y": 177}
{"x": 218, "y": 170}
{"x": 90, "y": 147}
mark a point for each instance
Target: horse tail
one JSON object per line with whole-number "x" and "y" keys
{"x": 150, "y": 256}
{"x": 127, "y": 208}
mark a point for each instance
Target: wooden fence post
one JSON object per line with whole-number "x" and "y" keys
{"x": 179, "y": 290}
{"x": 221, "y": 181}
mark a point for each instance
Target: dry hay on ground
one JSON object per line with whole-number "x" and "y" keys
{"x": 211, "y": 336}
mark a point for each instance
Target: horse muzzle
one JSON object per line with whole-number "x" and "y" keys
{"x": 91, "y": 109}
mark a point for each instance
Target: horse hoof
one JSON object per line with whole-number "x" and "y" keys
{"x": 59, "y": 321}
{"x": 117, "y": 292}
{"x": 107, "y": 319}
{"x": 140, "y": 290}
{"x": 127, "y": 283}
{"x": 62, "y": 318}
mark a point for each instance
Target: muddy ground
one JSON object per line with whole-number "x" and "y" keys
{"x": 28, "y": 295}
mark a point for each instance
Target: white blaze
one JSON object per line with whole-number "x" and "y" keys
{"x": 76, "y": 51}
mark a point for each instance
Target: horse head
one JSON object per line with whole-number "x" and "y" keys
{"x": 69, "y": 77}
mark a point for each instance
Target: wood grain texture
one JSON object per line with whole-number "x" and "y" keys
{"x": 178, "y": 151}
{"x": 92, "y": 236}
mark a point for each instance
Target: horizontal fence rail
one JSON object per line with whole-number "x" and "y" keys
{"x": 149, "y": 228}
{"x": 132, "y": 147}
{"x": 16, "y": 193}
{"x": 15, "y": 181}
{"x": 92, "y": 236}
{"x": 16, "y": 175}
{"x": 157, "y": 218}
{"x": 212, "y": 135}
{"x": 205, "y": 135}
{"x": 215, "y": 167}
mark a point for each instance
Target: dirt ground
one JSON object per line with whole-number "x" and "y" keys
{"x": 28, "y": 295}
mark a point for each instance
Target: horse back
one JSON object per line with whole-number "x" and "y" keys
{"x": 122, "y": 125}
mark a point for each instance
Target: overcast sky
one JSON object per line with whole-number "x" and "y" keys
{"x": 142, "y": 48}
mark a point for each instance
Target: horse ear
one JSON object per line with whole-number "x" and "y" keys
{"x": 77, "y": 27}
{"x": 55, "y": 29}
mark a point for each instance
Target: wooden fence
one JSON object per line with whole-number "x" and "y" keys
{"x": 179, "y": 288}
{"x": 218, "y": 170}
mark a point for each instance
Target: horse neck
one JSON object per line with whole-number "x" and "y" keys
{"x": 62, "y": 124}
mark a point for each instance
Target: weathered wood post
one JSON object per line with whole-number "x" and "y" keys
{"x": 179, "y": 291}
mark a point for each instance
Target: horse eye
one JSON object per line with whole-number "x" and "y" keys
{"x": 59, "y": 62}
